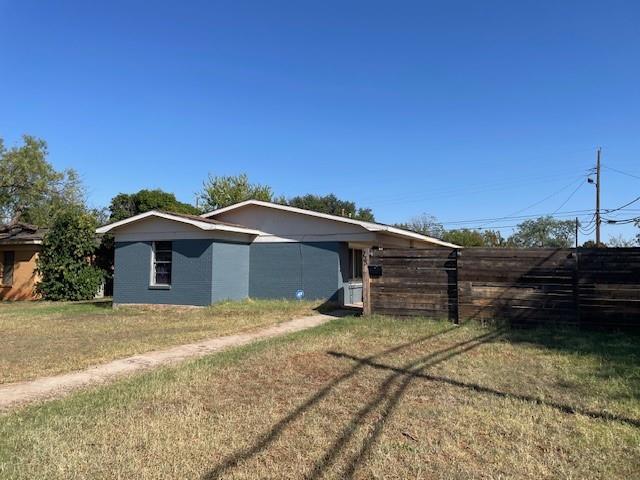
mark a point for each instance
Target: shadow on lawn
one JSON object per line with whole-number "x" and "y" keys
{"x": 390, "y": 394}
{"x": 617, "y": 353}
{"x": 433, "y": 358}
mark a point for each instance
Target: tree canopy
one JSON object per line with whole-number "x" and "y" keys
{"x": 222, "y": 191}
{"x": 331, "y": 205}
{"x": 126, "y": 205}
{"x": 544, "y": 232}
{"x": 64, "y": 263}
{"x": 31, "y": 190}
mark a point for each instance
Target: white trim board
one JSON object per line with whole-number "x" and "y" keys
{"x": 370, "y": 226}
{"x": 207, "y": 226}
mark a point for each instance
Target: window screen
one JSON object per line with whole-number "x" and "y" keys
{"x": 162, "y": 253}
{"x": 8, "y": 259}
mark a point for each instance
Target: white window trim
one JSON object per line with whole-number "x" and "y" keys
{"x": 152, "y": 279}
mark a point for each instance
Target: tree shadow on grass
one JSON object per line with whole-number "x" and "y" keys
{"x": 274, "y": 433}
{"x": 617, "y": 353}
{"x": 389, "y": 395}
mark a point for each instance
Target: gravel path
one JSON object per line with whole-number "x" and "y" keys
{"x": 14, "y": 394}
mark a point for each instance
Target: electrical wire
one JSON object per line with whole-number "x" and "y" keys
{"x": 541, "y": 201}
{"x": 608, "y": 210}
{"x": 568, "y": 198}
{"x": 621, "y": 172}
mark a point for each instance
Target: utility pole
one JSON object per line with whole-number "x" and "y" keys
{"x": 598, "y": 220}
{"x": 577, "y": 225}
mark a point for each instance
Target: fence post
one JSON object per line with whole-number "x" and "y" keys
{"x": 576, "y": 286}
{"x": 366, "y": 282}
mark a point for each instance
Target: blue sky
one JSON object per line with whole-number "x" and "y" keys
{"x": 463, "y": 110}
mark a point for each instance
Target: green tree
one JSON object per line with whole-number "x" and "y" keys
{"x": 31, "y": 190}
{"x": 331, "y": 205}
{"x": 424, "y": 224}
{"x": 464, "y": 237}
{"x": 544, "y": 232}
{"x": 126, "y": 205}
{"x": 493, "y": 238}
{"x": 222, "y": 191}
{"x": 65, "y": 261}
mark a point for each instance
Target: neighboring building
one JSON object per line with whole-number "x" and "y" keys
{"x": 19, "y": 247}
{"x": 250, "y": 249}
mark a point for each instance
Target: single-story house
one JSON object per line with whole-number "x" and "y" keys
{"x": 20, "y": 244}
{"x": 251, "y": 249}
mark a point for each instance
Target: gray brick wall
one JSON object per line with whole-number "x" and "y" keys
{"x": 277, "y": 270}
{"x": 191, "y": 274}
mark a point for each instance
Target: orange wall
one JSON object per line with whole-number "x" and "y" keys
{"x": 24, "y": 275}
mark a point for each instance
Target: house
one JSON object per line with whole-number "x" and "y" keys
{"x": 251, "y": 249}
{"x": 20, "y": 244}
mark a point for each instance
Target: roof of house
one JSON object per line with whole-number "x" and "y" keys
{"x": 21, "y": 234}
{"x": 370, "y": 226}
{"x": 194, "y": 220}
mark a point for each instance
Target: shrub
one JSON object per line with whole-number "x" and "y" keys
{"x": 65, "y": 261}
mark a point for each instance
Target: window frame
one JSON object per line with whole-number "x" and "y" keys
{"x": 6, "y": 266}
{"x": 154, "y": 262}
{"x": 353, "y": 270}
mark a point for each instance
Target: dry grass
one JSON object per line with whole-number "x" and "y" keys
{"x": 356, "y": 398}
{"x": 43, "y": 338}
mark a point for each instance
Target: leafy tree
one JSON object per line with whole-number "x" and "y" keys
{"x": 64, "y": 263}
{"x": 331, "y": 205}
{"x": 493, "y": 238}
{"x": 544, "y": 232}
{"x": 592, "y": 244}
{"x": 424, "y": 224}
{"x": 126, "y": 205}
{"x": 220, "y": 191}
{"x": 31, "y": 190}
{"x": 618, "y": 241}
{"x": 637, "y": 224}
{"x": 464, "y": 237}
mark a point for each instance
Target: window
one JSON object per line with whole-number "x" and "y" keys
{"x": 8, "y": 259}
{"x": 161, "y": 264}
{"x": 355, "y": 264}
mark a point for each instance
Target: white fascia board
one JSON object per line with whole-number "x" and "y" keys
{"x": 370, "y": 226}
{"x": 177, "y": 218}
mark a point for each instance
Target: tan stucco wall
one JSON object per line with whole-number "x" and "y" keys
{"x": 24, "y": 275}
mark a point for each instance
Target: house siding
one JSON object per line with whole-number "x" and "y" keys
{"x": 25, "y": 276}
{"x": 191, "y": 282}
{"x": 230, "y": 271}
{"x": 278, "y": 270}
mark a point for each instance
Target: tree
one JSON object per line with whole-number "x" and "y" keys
{"x": 618, "y": 241}
{"x": 464, "y": 237}
{"x": 544, "y": 232}
{"x": 126, "y": 205}
{"x": 424, "y": 224}
{"x": 64, "y": 263}
{"x": 220, "y": 191}
{"x": 493, "y": 238}
{"x": 331, "y": 205}
{"x": 31, "y": 190}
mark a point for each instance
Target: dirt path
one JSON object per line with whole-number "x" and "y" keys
{"x": 14, "y": 394}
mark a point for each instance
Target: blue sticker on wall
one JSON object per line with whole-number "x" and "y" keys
{"x": 299, "y": 294}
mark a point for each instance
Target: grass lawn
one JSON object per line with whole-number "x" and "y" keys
{"x": 355, "y": 398}
{"x": 43, "y": 338}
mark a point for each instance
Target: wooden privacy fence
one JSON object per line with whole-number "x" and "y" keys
{"x": 587, "y": 287}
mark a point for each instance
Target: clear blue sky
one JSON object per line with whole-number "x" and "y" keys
{"x": 463, "y": 110}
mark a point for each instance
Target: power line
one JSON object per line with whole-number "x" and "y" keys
{"x": 622, "y": 172}
{"x": 623, "y": 206}
{"x": 569, "y": 198}
{"x": 544, "y": 199}
{"x": 584, "y": 212}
